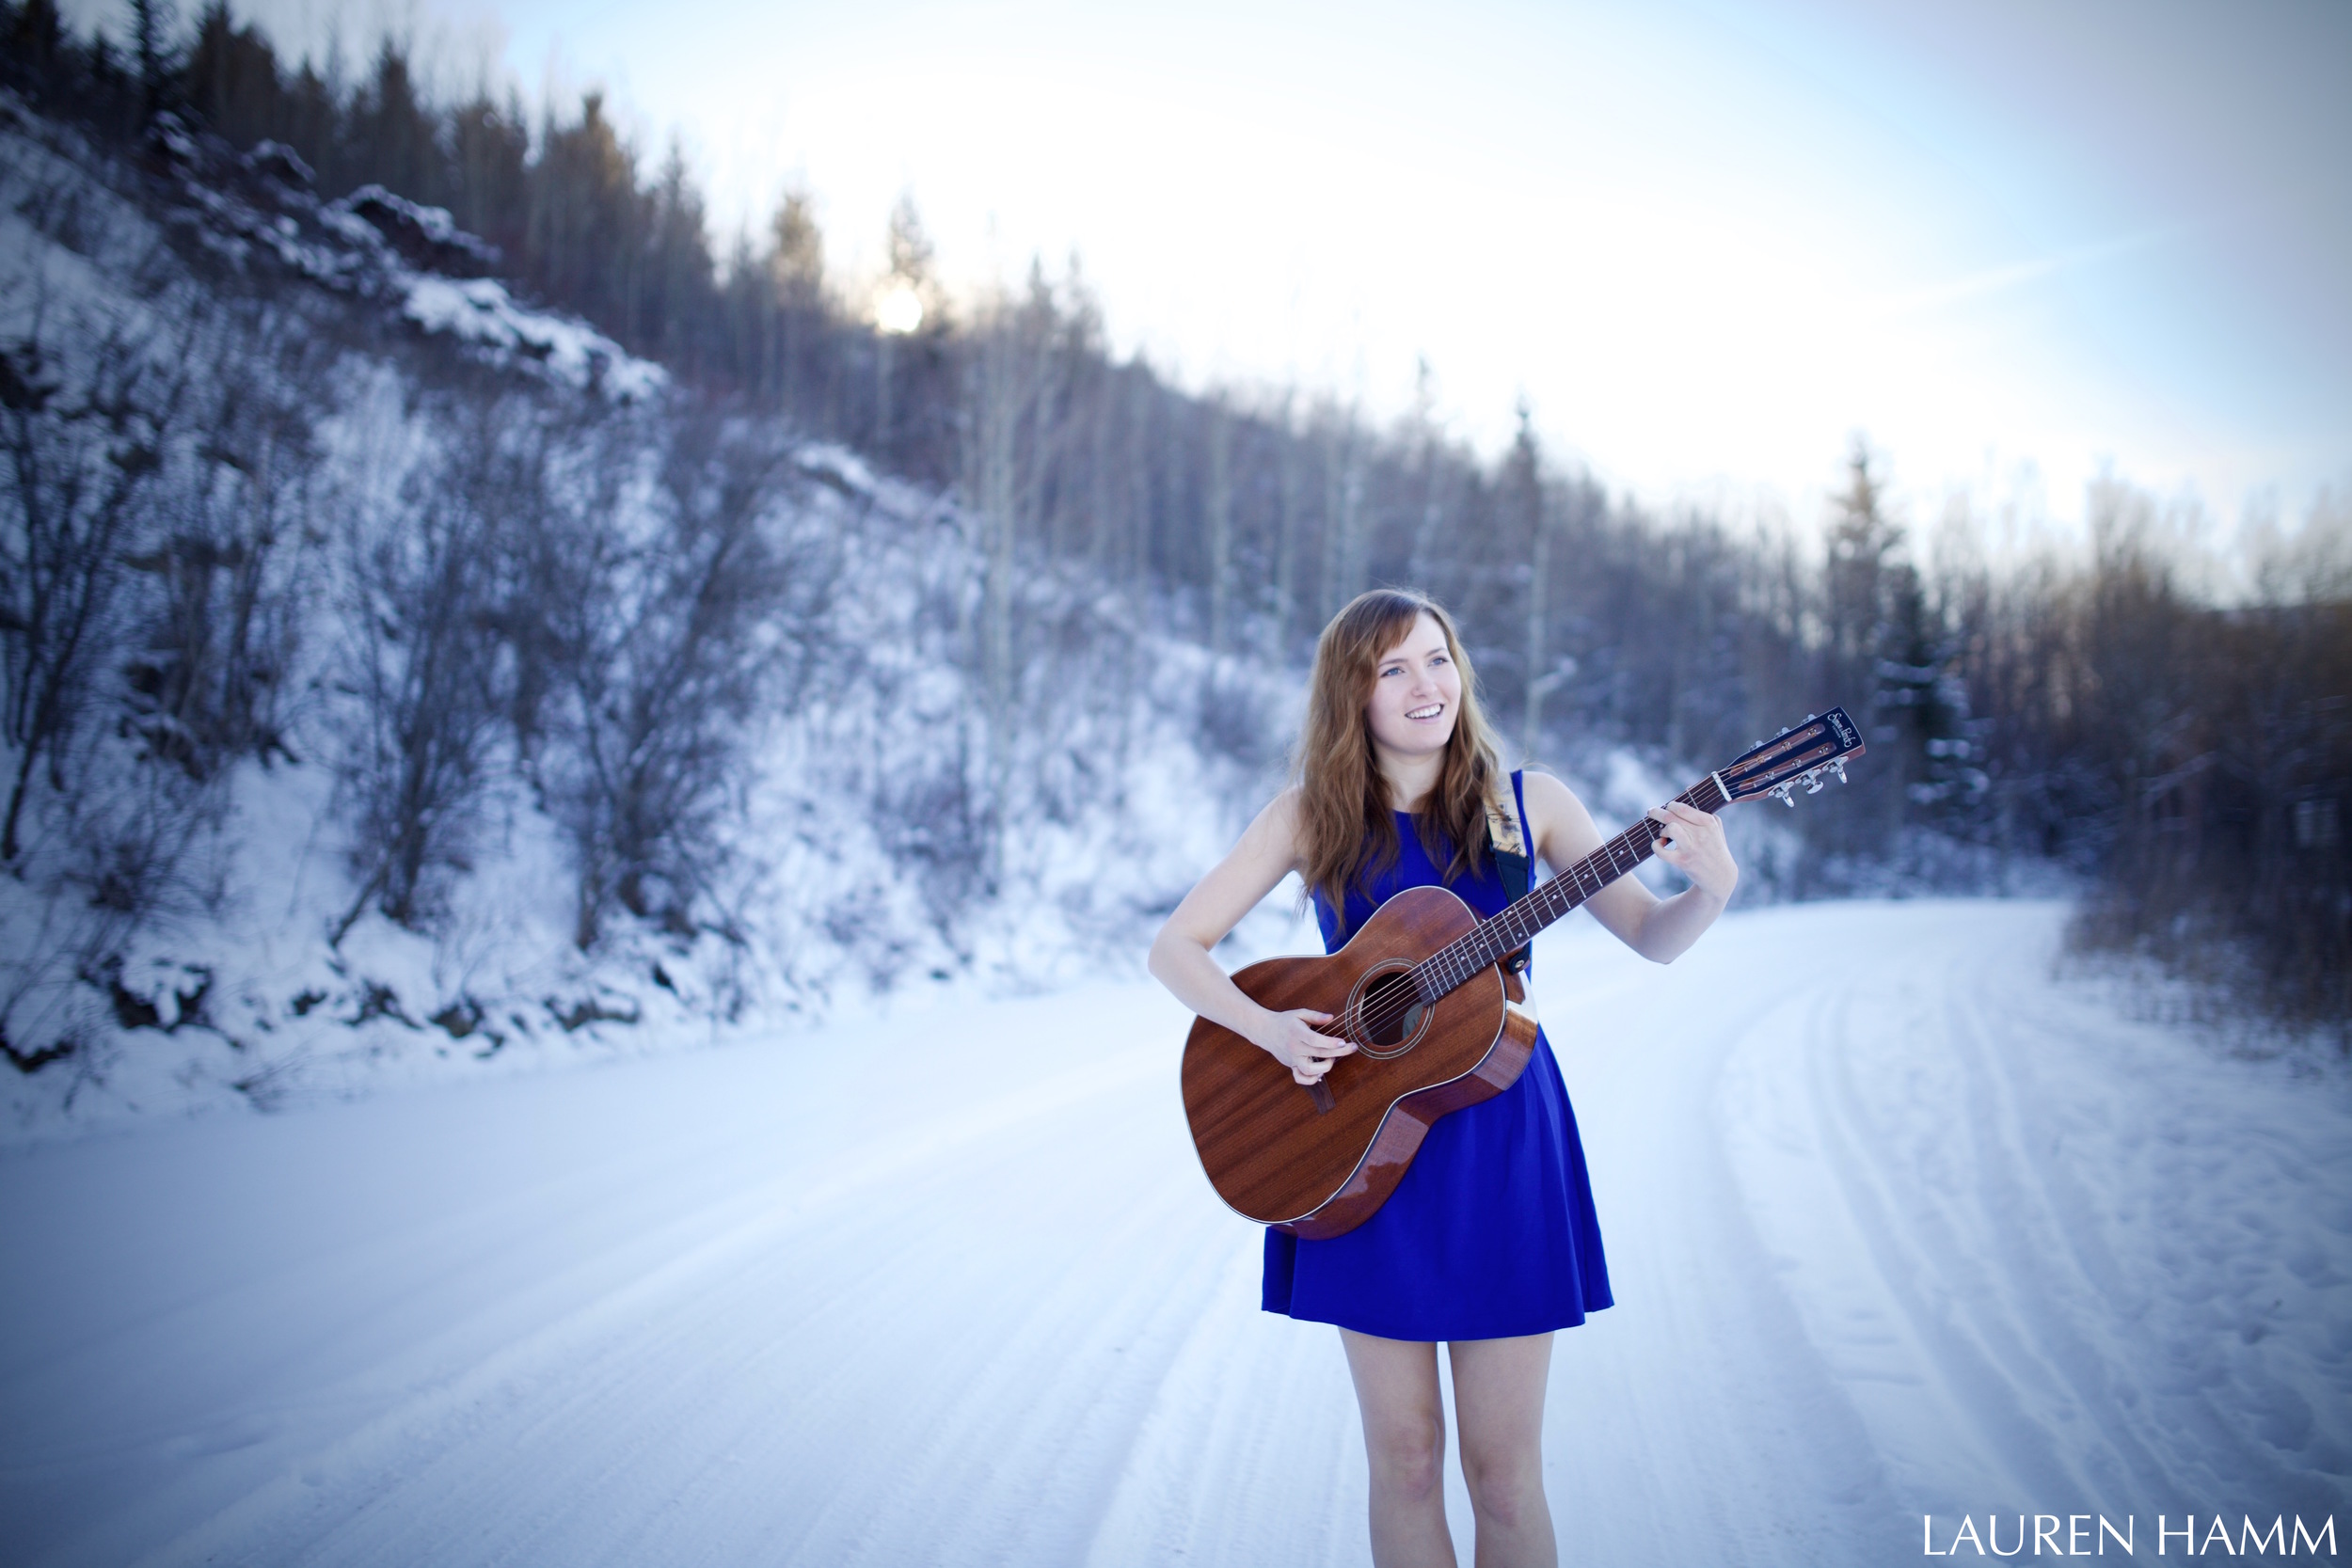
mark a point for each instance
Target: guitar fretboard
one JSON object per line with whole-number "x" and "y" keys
{"x": 1486, "y": 943}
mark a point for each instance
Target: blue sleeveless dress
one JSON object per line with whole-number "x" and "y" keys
{"x": 1491, "y": 1233}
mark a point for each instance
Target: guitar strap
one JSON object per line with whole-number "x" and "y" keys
{"x": 1513, "y": 860}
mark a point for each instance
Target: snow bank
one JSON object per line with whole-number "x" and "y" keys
{"x": 479, "y": 310}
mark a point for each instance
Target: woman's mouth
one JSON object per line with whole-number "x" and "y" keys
{"x": 1420, "y": 713}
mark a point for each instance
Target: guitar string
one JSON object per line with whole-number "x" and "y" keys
{"x": 1453, "y": 964}
{"x": 1438, "y": 975}
{"x": 1445, "y": 970}
{"x": 1481, "y": 946}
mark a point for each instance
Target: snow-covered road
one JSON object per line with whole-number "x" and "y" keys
{"x": 1897, "y": 1224}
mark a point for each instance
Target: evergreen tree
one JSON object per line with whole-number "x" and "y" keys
{"x": 398, "y": 132}
{"x": 310, "y": 121}
{"x": 796, "y": 255}
{"x": 585, "y": 236}
{"x": 1886, "y": 640}
{"x": 155, "y": 51}
{"x": 232, "y": 79}
{"x": 35, "y": 38}
{"x": 489, "y": 148}
{"x": 678, "y": 272}
{"x": 913, "y": 256}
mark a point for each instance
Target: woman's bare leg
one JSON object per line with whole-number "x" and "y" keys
{"x": 1396, "y": 1390}
{"x": 1498, "y": 1406}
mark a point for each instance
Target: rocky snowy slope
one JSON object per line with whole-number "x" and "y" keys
{"x": 325, "y": 485}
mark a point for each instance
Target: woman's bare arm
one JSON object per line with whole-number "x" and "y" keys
{"x": 1660, "y": 930}
{"x": 1181, "y": 960}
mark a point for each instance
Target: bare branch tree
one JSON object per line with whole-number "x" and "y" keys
{"x": 80, "y": 461}
{"x": 666, "y": 636}
{"x": 429, "y": 666}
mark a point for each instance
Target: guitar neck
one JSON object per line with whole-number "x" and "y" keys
{"x": 1486, "y": 943}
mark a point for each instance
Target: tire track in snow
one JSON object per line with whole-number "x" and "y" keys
{"x": 653, "y": 1362}
{"x": 2177, "y": 1369}
{"x": 1883, "y": 1232}
{"x": 2046, "y": 1338}
{"x": 1959, "y": 1185}
{"x": 1690, "y": 1422}
{"x": 1933, "y": 1253}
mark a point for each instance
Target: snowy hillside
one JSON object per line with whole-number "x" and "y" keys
{"x": 441, "y": 689}
{"x": 1897, "y": 1225}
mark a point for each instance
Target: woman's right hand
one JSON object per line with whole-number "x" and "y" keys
{"x": 1290, "y": 1041}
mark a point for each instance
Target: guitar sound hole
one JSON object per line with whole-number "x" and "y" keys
{"x": 1392, "y": 1011}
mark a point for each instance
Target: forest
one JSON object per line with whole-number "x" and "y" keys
{"x": 578, "y": 598}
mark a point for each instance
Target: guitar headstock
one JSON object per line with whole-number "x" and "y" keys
{"x": 1800, "y": 755}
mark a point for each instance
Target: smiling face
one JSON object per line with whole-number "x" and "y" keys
{"x": 1416, "y": 693}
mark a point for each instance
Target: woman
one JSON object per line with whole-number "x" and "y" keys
{"x": 1490, "y": 1244}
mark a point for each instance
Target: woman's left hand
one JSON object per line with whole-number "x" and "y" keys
{"x": 1694, "y": 844}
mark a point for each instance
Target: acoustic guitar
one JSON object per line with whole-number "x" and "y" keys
{"x": 1436, "y": 1023}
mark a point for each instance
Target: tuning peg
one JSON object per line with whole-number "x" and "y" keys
{"x": 1784, "y": 730}
{"x": 1838, "y": 767}
{"x": 1783, "y": 793}
{"x": 1812, "y": 783}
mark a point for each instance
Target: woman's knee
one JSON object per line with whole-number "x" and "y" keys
{"x": 1408, "y": 1455}
{"x": 1506, "y": 1484}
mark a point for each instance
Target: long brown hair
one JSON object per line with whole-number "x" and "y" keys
{"x": 1346, "y": 832}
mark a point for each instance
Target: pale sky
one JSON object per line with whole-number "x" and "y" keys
{"x": 2009, "y": 239}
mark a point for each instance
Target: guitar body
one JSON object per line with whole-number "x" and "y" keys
{"x": 1318, "y": 1163}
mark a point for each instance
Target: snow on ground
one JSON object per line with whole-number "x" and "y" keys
{"x": 1897, "y": 1222}
{"x": 479, "y": 310}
